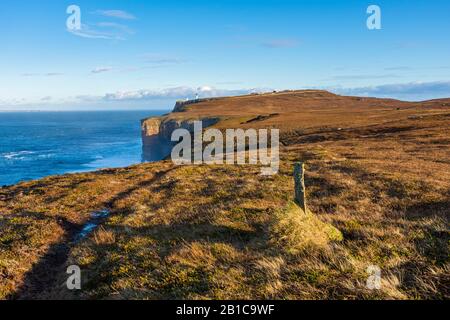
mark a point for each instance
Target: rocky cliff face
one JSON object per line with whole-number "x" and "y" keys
{"x": 157, "y": 133}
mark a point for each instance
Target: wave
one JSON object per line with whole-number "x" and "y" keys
{"x": 26, "y": 154}
{"x": 16, "y": 155}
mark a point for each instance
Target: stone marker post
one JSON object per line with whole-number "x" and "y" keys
{"x": 299, "y": 178}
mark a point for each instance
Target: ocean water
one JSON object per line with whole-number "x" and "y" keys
{"x": 38, "y": 144}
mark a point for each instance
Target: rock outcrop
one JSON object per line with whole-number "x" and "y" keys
{"x": 157, "y": 134}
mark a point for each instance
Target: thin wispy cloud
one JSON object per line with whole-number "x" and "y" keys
{"x": 408, "y": 91}
{"x": 362, "y": 77}
{"x": 161, "y": 59}
{"x": 101, "y": 70}
{"x": 399, "y": 68}
{"x": 119, "y": 14}
{"x": 103, "y": 30}
{"x": 89, "y": 32}
{"x": 141, "y": 68}
{"x": 86, "y": 98}
{"x": 117, "y": 26}
{"x": 49, "y": 74}
{"x": 153, "y": 61}
{"x": 12, "y": 102}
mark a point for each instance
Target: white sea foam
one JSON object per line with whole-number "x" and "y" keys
{"x": 16, "y": 155}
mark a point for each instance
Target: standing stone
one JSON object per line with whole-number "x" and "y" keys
{"x": 299, "y": 178}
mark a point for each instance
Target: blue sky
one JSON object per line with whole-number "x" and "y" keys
{"x": 146, "y": 54}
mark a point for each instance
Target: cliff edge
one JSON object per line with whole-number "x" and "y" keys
{"x": 157, "y": 131}
{"x": 302, "y": 115}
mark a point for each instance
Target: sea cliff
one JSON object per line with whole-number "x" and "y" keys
{"x": 157, "y": 131}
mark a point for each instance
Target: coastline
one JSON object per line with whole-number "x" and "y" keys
{"x": 34, "y": 145}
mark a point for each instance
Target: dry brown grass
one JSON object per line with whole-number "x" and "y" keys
{"x": 225, "y": 232}
{"x": 294, "y": 231}
{"x": 103, "y": 237}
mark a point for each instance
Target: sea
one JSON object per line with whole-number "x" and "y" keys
{"x": 39, "y": 144}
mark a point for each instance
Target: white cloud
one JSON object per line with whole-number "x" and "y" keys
{"x": 87, "y": 32}
{"x": 103, "y": 30}
{"x": 119, "y": 14}
{"x": 122, "y": 98}
{"x": 117, "y": 26}
{"x": 176, "y": 93}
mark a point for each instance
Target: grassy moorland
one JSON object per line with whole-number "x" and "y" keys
{"x": 378, "y": 186}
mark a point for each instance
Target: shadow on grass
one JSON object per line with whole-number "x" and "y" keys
{"x": 45, "y": 273}
{"x": 169, "y": 279}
